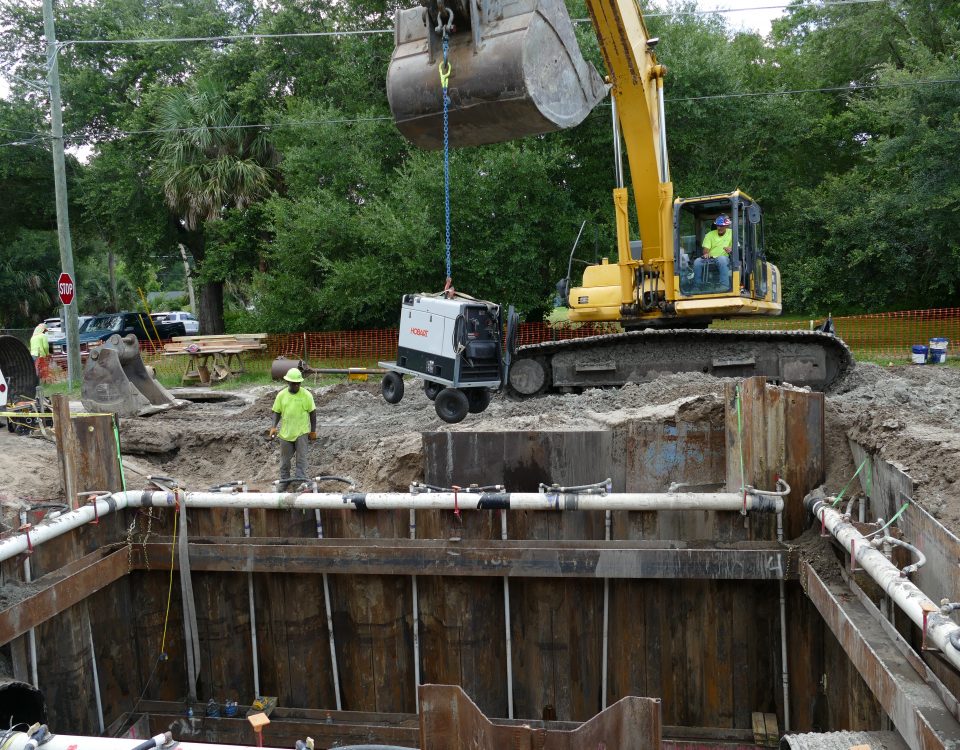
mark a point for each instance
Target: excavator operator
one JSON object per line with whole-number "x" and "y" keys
{"x": 717, "y": 246}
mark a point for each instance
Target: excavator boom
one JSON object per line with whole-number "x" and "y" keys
{"x": 517, "y": 70}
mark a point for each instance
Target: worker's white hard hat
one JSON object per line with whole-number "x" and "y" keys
{"x": 293, "y": 375}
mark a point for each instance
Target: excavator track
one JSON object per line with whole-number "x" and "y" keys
{"x": 801, "y": 358}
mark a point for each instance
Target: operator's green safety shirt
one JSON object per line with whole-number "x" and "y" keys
{"x": 294, "y": 410}
{"x": 716, "y": 245}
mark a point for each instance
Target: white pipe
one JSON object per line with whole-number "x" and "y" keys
{"x": 606, "y": 621}
{"x": 329, "y": 610}
{"x": 57, "y": 524}
{"x": 96, "y": 677}
{"x": 506, "y": 623}
{"x": 253, "y": 613}
{"x": 32, "y": 634}
{"x": 785, "y": 674}
{"x": 553, "y": 501}
{"x": 416, "y": 622}
{"x": 67, "y": 742}
{"x": 906, "y": 595}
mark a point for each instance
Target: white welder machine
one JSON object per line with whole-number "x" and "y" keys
{"x": 459, "y": 348}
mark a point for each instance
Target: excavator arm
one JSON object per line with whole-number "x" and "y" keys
{"x": 517, "y": 70}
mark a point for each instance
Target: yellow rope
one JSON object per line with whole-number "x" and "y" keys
{"x": 173, "y": 549}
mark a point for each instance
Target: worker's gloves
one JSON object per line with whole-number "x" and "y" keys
{"x": 312, "y": 436}
{"x": 273, "y": 432}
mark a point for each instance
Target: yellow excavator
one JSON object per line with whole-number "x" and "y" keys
{"x": 515, "y": 69}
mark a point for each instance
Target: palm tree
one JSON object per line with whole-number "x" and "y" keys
{"x": 208, "y": 161}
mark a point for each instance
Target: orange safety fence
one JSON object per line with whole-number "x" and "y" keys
{"x": 880, "y": 337}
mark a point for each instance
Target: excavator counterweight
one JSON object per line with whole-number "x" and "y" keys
{"x": 516, "y": 70}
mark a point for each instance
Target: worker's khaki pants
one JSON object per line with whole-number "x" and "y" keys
{"x": 287, "y": 449}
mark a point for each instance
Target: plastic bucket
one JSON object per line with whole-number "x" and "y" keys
{"x": 919, "y": 354}
{"x": 938, "y": 351}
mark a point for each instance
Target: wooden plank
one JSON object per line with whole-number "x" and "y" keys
{"x": 488, "y": 558}
{"x": 890, "y": 488}
{"x": 913, "y": 707}
{"x": 55, "y": 592}
{"x": 462, "y": 643}
{"x": 759, "y": 728}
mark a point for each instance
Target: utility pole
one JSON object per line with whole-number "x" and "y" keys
{"x": 69, "y": 312}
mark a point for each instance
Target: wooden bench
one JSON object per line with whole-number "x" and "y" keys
{"x": 212, "y": 359}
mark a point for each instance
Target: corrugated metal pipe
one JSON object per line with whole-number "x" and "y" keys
{"x": 60, "y": 523}
{"x": 941, "y": 631}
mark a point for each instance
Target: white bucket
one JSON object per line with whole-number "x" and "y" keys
{"x": 938, "y": 351}
{"x": 919, "y": 354}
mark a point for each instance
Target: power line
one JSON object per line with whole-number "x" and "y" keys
{"x": 260, "y": 126}
{"x": 354, "y": 120}
{"x": 235, "y": 37}
{"x": 851, "y": 87}
{"x": 369, "y": 32}
{"x": 25, "y": 132}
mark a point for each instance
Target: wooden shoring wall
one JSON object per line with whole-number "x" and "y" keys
{"x": 709, "y": 649}
{"x": 81, "y": 640}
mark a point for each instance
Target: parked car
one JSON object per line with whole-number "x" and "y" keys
{"x": 190, "y": 323}
{"x": 53, "y": 325}
{"x": 101, "y": 327}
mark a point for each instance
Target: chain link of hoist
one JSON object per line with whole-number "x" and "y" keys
{"x": 444, "y": 82}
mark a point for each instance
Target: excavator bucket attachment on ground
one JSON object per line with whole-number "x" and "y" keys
{"x": 516, "y": 70}
{"x": 116, "y": 380}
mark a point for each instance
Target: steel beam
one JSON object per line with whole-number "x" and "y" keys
{"x": 914, "y": 708}
{"x": 449, "y": 720}
{"x": 526, "y": 559}
{"x": 61, "y": 589}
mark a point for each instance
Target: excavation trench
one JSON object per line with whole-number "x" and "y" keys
{"x": 538, "y": 615}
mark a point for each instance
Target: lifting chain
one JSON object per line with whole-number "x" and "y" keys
{"x": 445, "y": 28}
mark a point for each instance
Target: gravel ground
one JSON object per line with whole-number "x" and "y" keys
{"x": 910, "y": 415}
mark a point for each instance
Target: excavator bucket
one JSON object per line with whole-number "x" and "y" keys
{"x": 515, "y": 70}
{"x": 116, "y": 380}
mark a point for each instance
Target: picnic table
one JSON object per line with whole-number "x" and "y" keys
{"x": 212, "y": 359}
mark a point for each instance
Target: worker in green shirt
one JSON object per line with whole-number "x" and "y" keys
{"x": 294, "y": 422}
{"x": 40, "y": 350}
{"x": 717, "y": 245}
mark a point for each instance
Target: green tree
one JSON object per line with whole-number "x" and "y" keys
{"x": 208, "y": 162}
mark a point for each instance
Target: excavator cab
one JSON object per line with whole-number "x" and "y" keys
{"x": 745, "y": 272}
{"x": 515, "y": 70}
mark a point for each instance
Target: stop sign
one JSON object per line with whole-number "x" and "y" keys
{"x": 65, "y": 288}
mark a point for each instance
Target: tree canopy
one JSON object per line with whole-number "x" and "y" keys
{"x": 275, "y": 164}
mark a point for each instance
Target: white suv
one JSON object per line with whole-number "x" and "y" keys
{"x": 190, "y": 324}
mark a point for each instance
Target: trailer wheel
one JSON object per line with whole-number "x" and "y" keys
{"x": 479, "y": 399}
{"x": 392, "y": 388}
{"x": 431, "y": 389}
{"x": 451, "y": 405}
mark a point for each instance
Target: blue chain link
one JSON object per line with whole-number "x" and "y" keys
{"x": 446, "y": 156}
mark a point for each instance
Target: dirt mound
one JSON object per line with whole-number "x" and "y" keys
{"x": 909, "y": 415}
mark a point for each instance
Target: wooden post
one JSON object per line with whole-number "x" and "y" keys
{"x": 78, "y": 643}
{"x": 87, "y": 452}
